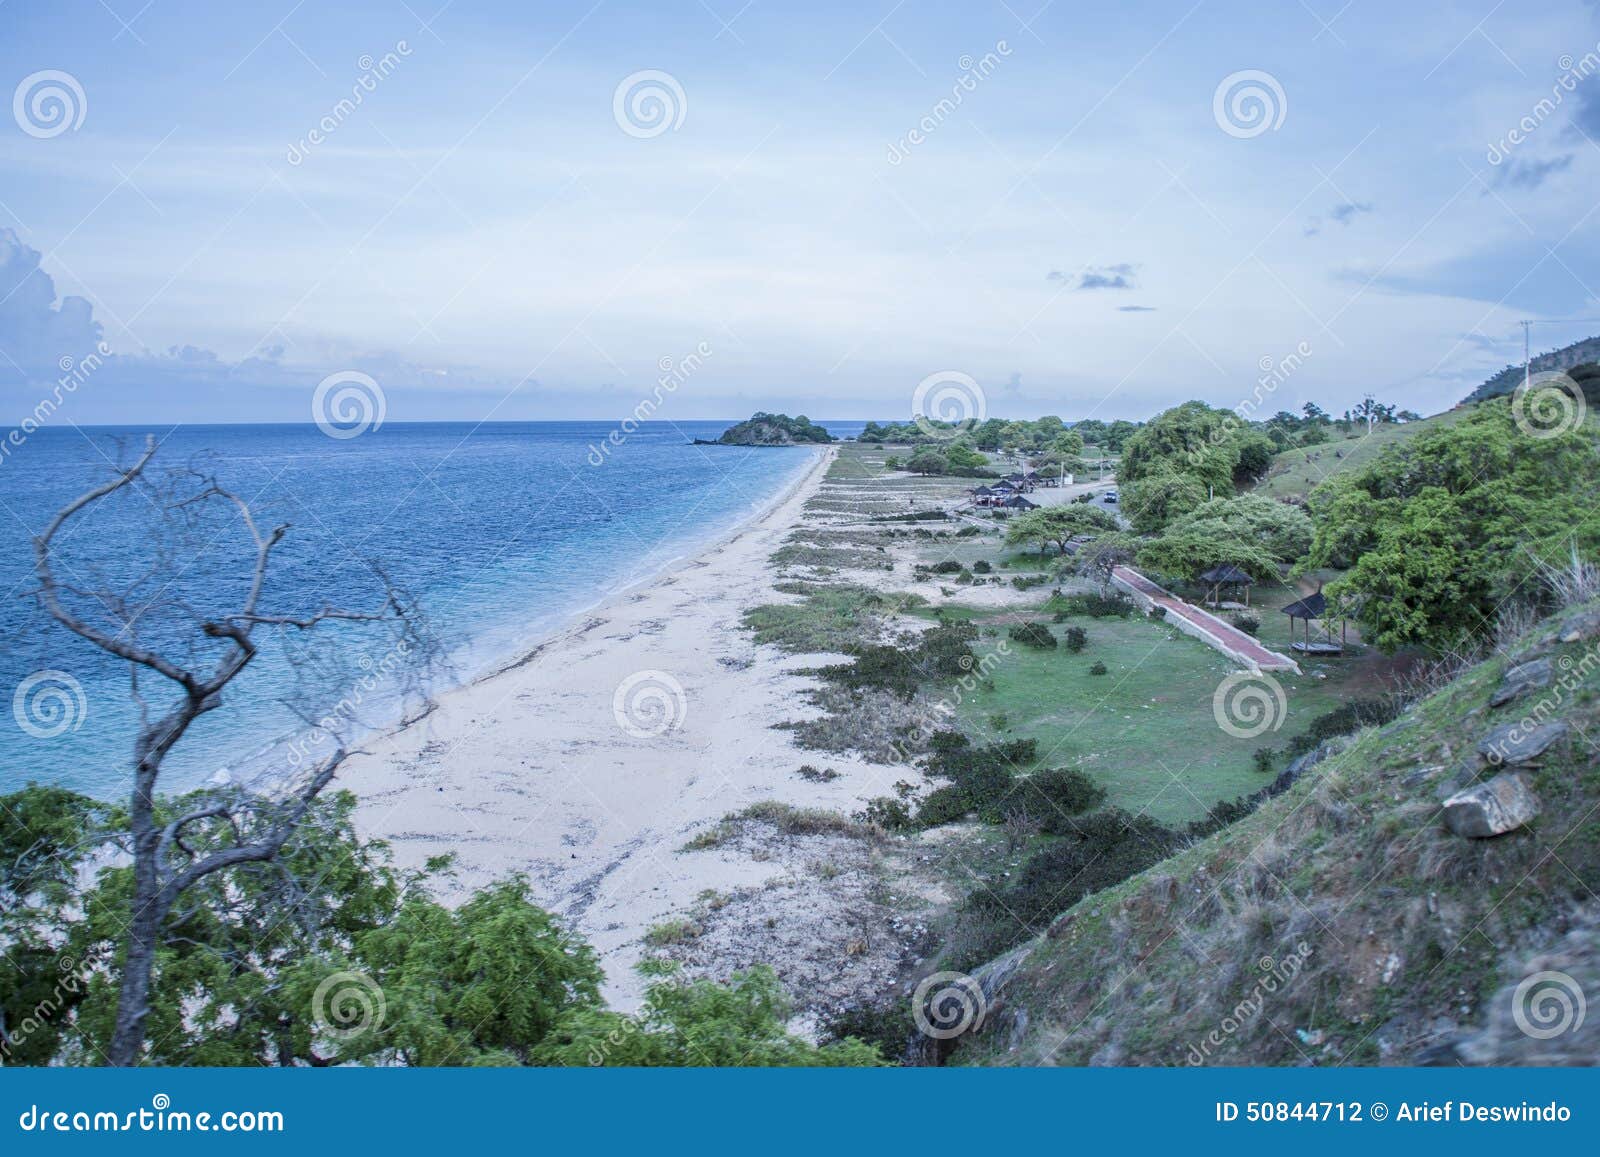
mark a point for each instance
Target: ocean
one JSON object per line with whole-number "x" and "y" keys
{"x": 500, "y": 533}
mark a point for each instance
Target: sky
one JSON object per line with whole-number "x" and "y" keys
{"x": 809, "y": 207}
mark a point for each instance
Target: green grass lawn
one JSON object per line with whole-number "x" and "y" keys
{"x": 1145, "y": 730}
{"x": 1298, "y": 472}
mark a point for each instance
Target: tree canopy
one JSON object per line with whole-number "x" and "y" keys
{"x": 1439, "y": 529}
{"x": 1058, "y": 524}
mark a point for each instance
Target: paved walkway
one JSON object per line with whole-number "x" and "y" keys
{"x": 1203, "y": 625}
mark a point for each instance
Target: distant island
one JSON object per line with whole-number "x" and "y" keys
{"x": 770, "y": 430}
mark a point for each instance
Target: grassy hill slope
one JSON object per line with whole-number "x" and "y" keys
{"x": 1295, "y": 473}
{"x": 1577, "y": 354}
{"x": 1342, "y": 922}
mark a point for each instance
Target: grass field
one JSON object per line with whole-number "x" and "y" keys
{"x": 1145, "y": 730}
{"x": 1295, "y": 473}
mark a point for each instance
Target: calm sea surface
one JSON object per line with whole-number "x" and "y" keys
{"x": 500, "y": 532}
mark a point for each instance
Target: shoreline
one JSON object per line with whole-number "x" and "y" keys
{"x": 556, "y": 765}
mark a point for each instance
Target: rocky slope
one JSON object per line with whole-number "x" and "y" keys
{"x": 774, "y": 430}
{"x": 1355, "y": 919}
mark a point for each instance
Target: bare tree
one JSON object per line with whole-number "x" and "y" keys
{"x": 164, "y": 862}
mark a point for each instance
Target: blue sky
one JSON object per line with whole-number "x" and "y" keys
{"x": 1082, "y": 234}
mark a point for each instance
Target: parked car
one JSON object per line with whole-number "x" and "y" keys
{"x": 1111, "y": 496}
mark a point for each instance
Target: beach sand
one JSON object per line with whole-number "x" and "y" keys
{"x": 541, "y": 769}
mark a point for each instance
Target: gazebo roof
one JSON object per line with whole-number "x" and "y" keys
{"x": 1226, "y": 573}
{"x": 1310, "y": 607}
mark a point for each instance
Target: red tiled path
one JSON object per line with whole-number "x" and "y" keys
{"x": 1223, "y": 636}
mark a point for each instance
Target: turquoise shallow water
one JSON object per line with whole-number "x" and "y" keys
{"x": 501, "y": 533}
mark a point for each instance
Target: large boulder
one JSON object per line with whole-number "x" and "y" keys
{"x": 1518, "y": 743}
{"x": 1534, "y": 676}
{"x": 1501, "y": 805}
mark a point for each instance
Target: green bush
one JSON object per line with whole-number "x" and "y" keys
{"x": 1099, "y": 668}
{"x": 1247, "y": 621}
{"x": 982, "y": 565}
{"x": 1342, "y": 720}
{"x": 1098, "y": 606}
{"x": 1052, "y": 796}
{"x": 886, "y": 812}
{"x": 1076, "y": 638}
{"x": 1032, "y": 635}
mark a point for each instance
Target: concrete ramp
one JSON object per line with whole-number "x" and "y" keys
{"x": 1215, "y": 633}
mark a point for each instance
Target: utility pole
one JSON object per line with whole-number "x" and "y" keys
{"x": 1527, "y": 357}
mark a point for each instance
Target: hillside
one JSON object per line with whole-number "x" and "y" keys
{"x": 1342, "y": 922}
{"x": 774, "y": 430}
{"x": 1578, "y": 353}
{"x": 1295, "y": 473}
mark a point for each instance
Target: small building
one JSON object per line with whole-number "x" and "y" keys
{"x": 1227, "y": 575}
{"x": 1314, "y": 607}
{"x": 1017, "y": 502}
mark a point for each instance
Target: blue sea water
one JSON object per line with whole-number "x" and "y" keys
{"x": 500, "y": 533}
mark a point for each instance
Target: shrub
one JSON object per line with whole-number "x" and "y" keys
{"x": 1099, "y": 606}
{"x": 1076, "y": 638}
{"x": 1099, "y": 668}
{"x": 999, "y": 721}
{"x": 812, "y": 774}
{"x": 947, "y": 566}
{"x": 1032, "y": 635}
{"x": 1052, "y": 796}
{"x": 886, "y": 812}
{"x": 1342, "y": 720}
{"x": 982, "y": 565}
{"x": 943, "y": 805}
{"x": 1247, "y": 621}
{"x": 1158, "y": 613}
{"x": 1264, "y": 758}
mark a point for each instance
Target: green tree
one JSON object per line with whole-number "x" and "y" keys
{"x": 697, "y": 1023}
{"x": 1440, "y": 529}
{"x": 1058, "y": 524}
{"x": 1155, "y": 500}
{"x": 927, "y": 461}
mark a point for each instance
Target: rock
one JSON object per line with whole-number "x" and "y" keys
{"x": 1581, "y": 627}
{"x": 1503, "y": 804}
{"x": 1518, "y": 743}
{"x": 1532, "y": 676}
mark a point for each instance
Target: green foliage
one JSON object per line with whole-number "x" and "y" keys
{"x": 1051, "y": 796}
{"x": 1281, "y": 530}
{"x": 1058, "y": 524}
{"x": 928, "y": 461}
{"x": 694, "y": 1023}
{"x": 1153, "y": 501}
{"x": 763, "y": 429}
{"x": 1098, "y": 668}
{"x": 1096, "y": 606}
{"x": 887, "y": 812}
{"x": 1075, "y": 639}
{"x": 941, "y": 652}
{"x": 1442, "y": 527}
{"x": 982, "y": 566}
{"x": 1032, "y": 635}
{"x": 1342, "y": 720}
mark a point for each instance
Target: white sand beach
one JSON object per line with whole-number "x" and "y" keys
{"x": 529, "y": 770}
